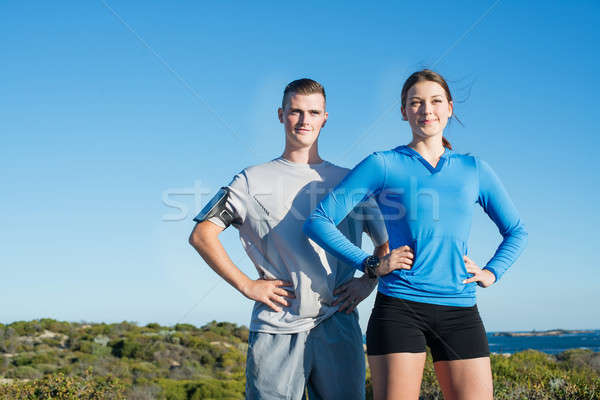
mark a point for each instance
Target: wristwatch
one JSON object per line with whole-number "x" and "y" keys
{"x": 370, "y": 265}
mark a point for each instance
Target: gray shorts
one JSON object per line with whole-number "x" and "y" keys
{"x": 328, "y": 360}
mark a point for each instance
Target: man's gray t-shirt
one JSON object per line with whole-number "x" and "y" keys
{"x": 270, "y": 203}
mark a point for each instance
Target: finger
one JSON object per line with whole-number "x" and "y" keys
{"x": 283, "y": 292}
{"x": 470, "y": 280}
{"x": 467, "y": 259}
{"x": 346, "y": 305}
{"x": 280, "y": 300}
{"x": 472, "y": 269}
{"x": 397, "y": 250}
{"x": 352, "y": 308}
{"x": 400, "y": 264}
{"x": 397, "y": 265}
{"x": 401, "y": 250}
{"x": 278, "y": 282}
{"x": 340, "y": 289}
{"x": 404, "y": 250}
{"x": 342, "y": 298}
{"x": 272, "y": 305}
{"x": 407, "y": 261}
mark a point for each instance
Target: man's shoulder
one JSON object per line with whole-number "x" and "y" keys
{"x": 338, "y": 168}
{"x": 279, "y": 166}
{"x": 260, "y": 170}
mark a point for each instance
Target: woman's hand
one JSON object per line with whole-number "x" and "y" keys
{"x": 399, "y": 258}
{"x": 483, "y": 277}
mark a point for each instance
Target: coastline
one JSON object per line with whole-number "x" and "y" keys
{"x": 551, "y": 332}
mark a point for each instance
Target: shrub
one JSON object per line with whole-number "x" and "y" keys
{"x": 131, "y": 349}
{"x": 24, "y": 372}
{"x": 202, "y": 389}
{"x": 60, "y": 387}
{"x": 185, "y": 327}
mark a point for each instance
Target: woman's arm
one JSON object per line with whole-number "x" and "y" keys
{"x": 366, "y": 179}
{"x": 497, "y": 204}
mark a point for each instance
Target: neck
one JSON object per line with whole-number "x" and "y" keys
{"x": 305, "y": 155}
{"x": 429, "y": 148}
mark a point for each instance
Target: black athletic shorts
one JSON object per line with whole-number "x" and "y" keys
{"x": 404, "y": 326}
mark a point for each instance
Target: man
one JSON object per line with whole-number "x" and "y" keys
{"x": 297, "y": 337}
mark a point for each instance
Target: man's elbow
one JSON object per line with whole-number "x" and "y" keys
{"x": 194, "y": 240}
{"x": 197, "y": 238}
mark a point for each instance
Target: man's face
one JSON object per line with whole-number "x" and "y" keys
{"x": 302, "y": 118}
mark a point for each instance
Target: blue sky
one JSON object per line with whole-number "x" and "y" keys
{"x": 107, "y": 108}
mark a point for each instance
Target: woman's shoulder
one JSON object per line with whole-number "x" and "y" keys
{"x": 468, "y": 159}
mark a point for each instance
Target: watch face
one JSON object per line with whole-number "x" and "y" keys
{"x": 373, "y": 262}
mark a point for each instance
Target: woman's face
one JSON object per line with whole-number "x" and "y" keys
{"x": 427, "y": 109}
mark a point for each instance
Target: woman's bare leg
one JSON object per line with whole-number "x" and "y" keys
{"x": 465, "y": 379}
{"x": 397, "y": 376}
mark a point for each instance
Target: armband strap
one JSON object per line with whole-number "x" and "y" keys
{"x": 216, "y": 208}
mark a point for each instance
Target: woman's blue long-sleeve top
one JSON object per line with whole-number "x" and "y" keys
{"x": 429, "y": 209}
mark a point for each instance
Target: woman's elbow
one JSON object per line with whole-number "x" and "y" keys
{"x": 524, "y": 236}
{"x": 520, "y": 234}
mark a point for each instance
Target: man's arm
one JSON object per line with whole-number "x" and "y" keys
{"x": 205, "y": 239}
{"x": 356, "y": 290}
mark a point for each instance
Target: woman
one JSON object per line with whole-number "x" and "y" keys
{"x": 426, "y": 193}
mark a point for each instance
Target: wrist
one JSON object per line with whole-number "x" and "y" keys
{"x": 245, "y": 285}
{"x": 370, "y": 266}
{"x": 491, "y": 274}
{"x": 367, "y": 279}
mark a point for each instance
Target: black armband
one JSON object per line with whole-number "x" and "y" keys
{"x": 216, "y": 208}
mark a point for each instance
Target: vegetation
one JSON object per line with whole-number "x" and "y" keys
{"x": 48, "y": 359}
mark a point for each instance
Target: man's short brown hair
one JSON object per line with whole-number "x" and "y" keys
{"x": 302, "y": 86}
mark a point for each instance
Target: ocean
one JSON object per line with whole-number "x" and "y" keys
{"x": 546, "y": 344}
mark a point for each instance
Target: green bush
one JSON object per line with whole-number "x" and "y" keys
{"x": 33, "y": 359}
{"x": 203, "y": 389}
{"x": 185, "y": 327}
{"x": 24, "y": 372}
{"x": 131, "y": 348}
{"x": 61, "y": 387}
{"x": 23, "y": 328}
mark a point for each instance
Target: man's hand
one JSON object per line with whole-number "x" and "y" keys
{"x": 353, "y": 292}
{"x": 399, "y": 258}
{"x": 483, "y": 277}
{"x": 269, "y": 292}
